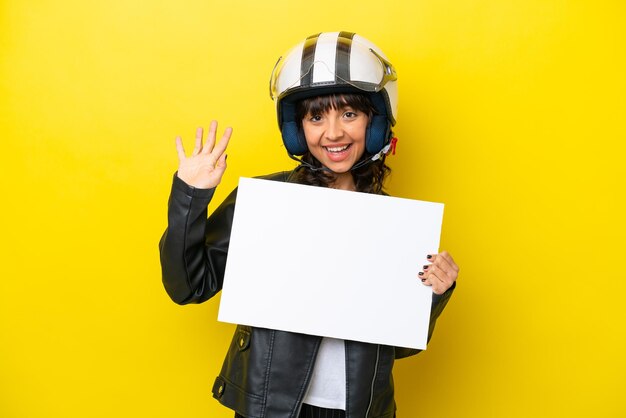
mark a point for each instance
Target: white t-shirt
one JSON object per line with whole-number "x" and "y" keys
{"x": 327, "y": 388}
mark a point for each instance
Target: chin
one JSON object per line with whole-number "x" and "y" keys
{"x": 339, "y": 168}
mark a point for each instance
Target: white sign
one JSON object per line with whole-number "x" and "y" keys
{"x": 330, "y": 262}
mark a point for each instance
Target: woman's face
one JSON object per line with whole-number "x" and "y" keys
{"x": 336, "y": 137}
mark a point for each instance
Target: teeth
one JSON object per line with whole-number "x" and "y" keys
{"x": 337, "y": 149}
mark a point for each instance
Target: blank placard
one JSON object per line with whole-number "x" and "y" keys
{"x": 330, "y": 262}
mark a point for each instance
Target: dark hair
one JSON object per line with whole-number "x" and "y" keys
{"x": 370, "y": 177}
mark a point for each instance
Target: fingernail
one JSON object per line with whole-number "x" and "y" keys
{"x": 429, "y": 256}
{"x": 425, "y": 267}
{"x": 225, "y": 157}
{"x": 423, "y": 280}
{"x": 421, "y": 273}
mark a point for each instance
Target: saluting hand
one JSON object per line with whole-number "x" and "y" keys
{"x": 206, "y": 165}
{"x": 441, "y": 273}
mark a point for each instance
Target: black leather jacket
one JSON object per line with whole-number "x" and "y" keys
{"x": 266, "y": 372}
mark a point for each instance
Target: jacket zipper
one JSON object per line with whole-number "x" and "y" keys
{"x": 373, "y": 380}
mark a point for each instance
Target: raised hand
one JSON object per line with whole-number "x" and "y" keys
{"x": 441, "y": 273}
{"x": 206, "y": 165}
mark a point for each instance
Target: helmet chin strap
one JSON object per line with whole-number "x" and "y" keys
{"x": 363, "y": 163}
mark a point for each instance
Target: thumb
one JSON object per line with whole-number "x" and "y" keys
{"x": 220, "y": 166}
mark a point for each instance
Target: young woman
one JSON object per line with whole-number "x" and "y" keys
{"x": 336, "y": 99}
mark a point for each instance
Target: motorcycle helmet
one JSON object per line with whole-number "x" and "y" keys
{"x": 332, "y": 63}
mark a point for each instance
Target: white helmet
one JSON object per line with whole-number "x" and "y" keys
{"x": 334, "y": 62}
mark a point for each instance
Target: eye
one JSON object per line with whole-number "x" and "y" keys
{"x": 315, "y": 118}
{"x": 350, "y": 114}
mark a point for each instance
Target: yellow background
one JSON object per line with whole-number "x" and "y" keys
{"x": 511, "y": 112}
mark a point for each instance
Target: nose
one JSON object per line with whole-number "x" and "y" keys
{"x": 334, "y": 130}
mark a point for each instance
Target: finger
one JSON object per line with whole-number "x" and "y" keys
{"x": 440, "y": 279}
{"x": 220, "y": 166}
{"x": 220, "y": 148}
{"x": 423, "y": 272}
{"x": 423, "y": 276}
{"x": 198, "y": 146}
{"x": 180, "y": 149}
{"x": 443, "y": 264}
{"x": 451, "y": 270}
{"x": 441, "y": 261}
{"x": 210, "y": 139}
{"x": 446, "y": 255}
{"x": 433, "y": 281}
{"x": 436, "y": 272}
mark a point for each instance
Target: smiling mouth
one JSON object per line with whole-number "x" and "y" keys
{"x": 337, "y": 149}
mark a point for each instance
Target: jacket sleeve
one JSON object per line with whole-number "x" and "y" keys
{"x": 438, "y": 303}
{"x": 193, "y": 248}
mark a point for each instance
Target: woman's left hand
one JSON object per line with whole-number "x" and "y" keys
{"x": 441, "y": 273}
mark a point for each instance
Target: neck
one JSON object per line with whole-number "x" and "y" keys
{"x": 344, "y": 181}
